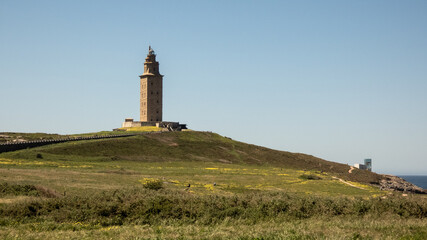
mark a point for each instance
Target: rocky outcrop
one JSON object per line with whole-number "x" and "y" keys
{"x": 394, "y": 183}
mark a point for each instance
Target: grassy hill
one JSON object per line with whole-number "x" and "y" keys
{"x": 209, "y": 156}
{"x": 211, "y": 187}
{"x": 195, "y": 146}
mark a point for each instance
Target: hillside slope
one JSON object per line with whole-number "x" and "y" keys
{"x": 196, "y": 147}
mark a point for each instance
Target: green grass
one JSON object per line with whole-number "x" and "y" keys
{"x": 83, "y": 176}
{"x": 190, "y": 146}
{"x": 95, "y": 189}
{"x": 331, "y": 228}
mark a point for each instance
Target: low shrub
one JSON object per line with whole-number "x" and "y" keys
{"x": 144, "y": 206}
{"x": 17, "y": 190}
{"x": 310, "y": 177}
{"x": 7, "y": 189}
{"x": 151, "y": 183}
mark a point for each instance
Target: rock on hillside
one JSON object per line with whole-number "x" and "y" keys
{"x": 390, "y": 182}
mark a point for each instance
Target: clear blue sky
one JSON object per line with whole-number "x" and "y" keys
{"x": 341, "y": 80}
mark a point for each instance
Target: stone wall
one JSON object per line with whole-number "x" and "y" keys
{"x": 8, "y": 147}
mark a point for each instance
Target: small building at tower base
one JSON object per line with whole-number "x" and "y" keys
{"x": 170, "y": 126}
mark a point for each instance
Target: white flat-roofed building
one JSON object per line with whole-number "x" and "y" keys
{"x": 360, "y": 166}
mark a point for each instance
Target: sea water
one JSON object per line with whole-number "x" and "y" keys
{"x": 420, "y": 181}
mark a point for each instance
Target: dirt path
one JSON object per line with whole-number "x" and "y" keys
{"x": 351, "y": 169}
{"x": 348, "y": 183}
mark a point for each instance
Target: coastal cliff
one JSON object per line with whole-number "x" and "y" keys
{"x": 390, "y": 182}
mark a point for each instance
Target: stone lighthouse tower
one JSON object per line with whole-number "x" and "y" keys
{"x": 151, "y": 102}
{"x": 151, "y": 90}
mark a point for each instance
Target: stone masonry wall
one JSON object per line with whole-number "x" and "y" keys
{"x": 8, "y": 147}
